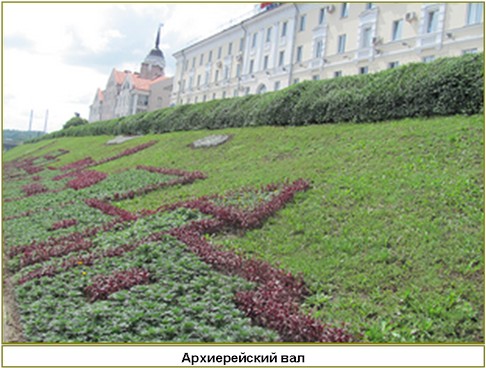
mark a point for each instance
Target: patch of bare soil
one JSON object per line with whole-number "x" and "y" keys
{"x": 12, "y": 328}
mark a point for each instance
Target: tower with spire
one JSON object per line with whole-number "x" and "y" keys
{"x": 154, "y": 63}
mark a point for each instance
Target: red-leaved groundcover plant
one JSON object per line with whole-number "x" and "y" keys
{"x": 104, "y": 285}
{"x": 86, "y": 179}
{"x": 34, "y": 188}
{"x": 111, "y": 210}
{"x": 63, "y": 224}
{"x": 79, "y": 165}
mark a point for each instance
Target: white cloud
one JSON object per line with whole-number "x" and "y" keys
{"x": 57, "y": 55}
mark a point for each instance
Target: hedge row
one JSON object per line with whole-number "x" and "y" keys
{"x": 446, "y": 86}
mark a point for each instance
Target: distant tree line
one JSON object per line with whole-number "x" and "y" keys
{"x": 17, "y": 137}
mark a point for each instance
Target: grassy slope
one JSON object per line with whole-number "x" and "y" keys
{"x": 390, "y": 238}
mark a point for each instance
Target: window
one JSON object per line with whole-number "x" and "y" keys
{"x": 226, "y": 72}
{"x": 296, "y": 80}
{"x": 265, "y": 62}
{"x": 191, "y": 82}
{"x": 322, "y": 16}
{"x": 220, "y": 50}
{"x": 224, "y": 94}
{"x": 284, "y": 29}
{"x": 363, "y": 70}
{"x": 193, "y": 63}
{"x": 142, "y": 100}
{"x": 204, "y": 98}
{"x": 281, "y": 57}
{"x": 206, "y": 78}
{"x": 432, "y": 19}
{"x": 210, "y": 57}
{"x": 216, "y": 76}
{"x": 474, "y": 13}
{"x": 230, "y": 48}
{"x": 344, "y": 10}
{"x": 302, "y": 22}
{"x": 397, "y": 29}
{"x": 276, "y": 86}
{"x": 366, "y": 38}
{"x": 254, "y": 40}
{"x": 201, "y": 60}
{"x": 298, "y": 58}
{"x": 318, "y": 53}
{"x": 338, "y": 74}
{"x": 316, "y": 77}
{"x": 214, "y": 96}
{"x": 268, "y": 38}
{"x": 252, "y": 65}
{"x": 369, "y": 6}
{"x": 470, "y": 51}
{"x": 393, "y": 64}
{"x": 199, "y": 80}
{"x": 238, "y": 70}
{"x": 247, "y": 91}
{"x": 235, "y": 93}
{"x": 186, "y": 66}
{"x": 341, "y": 44}
{"x": 428, "y": 59}
{"x": 195, "y": 99}
{"x": 242, "y": 43}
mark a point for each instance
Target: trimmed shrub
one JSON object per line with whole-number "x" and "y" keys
{"x": 446, "y": 86}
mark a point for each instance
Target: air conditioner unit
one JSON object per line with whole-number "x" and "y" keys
{"x": 376, "y": 41}
{"x": 330, "y": 9}
{"x": 410, "y": 17}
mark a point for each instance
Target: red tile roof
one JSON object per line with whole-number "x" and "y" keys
{"x": 144, "y": 84}
{"x": 120, "y": 76}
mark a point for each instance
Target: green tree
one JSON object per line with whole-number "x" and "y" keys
{"x": 75, "y": 121}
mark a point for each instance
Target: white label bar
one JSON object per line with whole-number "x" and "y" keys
{"x": 243, "y": 355}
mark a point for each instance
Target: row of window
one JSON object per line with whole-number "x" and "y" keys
{"x": 336, "y": 74}
{"x": 226, "y": 74}
{"x": 229, "y": 51}
{"x": 254, "y": 37}
{"x": 474, "y": 16}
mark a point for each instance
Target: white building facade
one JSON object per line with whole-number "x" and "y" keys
{"x": 283, "y": 45}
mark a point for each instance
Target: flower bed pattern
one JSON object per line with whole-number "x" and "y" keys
{"x": 93, "y": 256}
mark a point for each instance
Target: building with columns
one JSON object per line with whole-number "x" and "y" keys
{"x": 129, "y": 93}
{"x": 284, "y": 44}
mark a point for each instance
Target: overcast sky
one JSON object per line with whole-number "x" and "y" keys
{"x": 55, "y": 56}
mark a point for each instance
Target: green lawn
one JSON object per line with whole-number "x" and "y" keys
{"x": 390, "y": 238}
